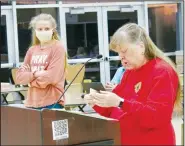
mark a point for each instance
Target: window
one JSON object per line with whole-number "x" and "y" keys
{"x": 4, "y": 48}
{"x": 82, "y": 35}
{"x": 164, "y": 26}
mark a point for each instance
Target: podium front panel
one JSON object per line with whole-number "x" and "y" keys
{"x": 26, "y": 126}
{"x": 20, "y": 126}
{"x": 82, "y": 129}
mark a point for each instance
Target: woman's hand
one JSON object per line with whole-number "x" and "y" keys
{"x": 25, "y": 68}
{"x": 106, "y": 99}
{"x": 110, "y": 86}
{"x": 89, "y": 98}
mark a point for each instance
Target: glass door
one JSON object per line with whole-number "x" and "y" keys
{"x": 7, "y": 39}
{"x": 84, "y": 39}
{"x": 113, "y": 18}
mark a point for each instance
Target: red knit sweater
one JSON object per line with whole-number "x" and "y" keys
{"x": 149, "y": 93}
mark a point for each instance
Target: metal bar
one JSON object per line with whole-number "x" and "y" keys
{"x": 62, "y": 20}
{"x": 37, "y": 6}
{"x": 117, "y": 3}
{"x": 146, "y": 17}
{"x": 7, "y": 65}
{"x": 83, "y": 60}
{"x": 106, "y": 43}
{"x": 101, "y": 4}
{"x": 6, "y": 7}
{"x": 114, "y": 58}
{"x": 101, "y": 44}
{"x": 14, "y": 11}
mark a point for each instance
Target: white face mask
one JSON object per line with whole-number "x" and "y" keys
{"x": 44, "y": 36}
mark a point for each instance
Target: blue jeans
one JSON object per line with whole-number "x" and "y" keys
{"x": 57, "y": 106}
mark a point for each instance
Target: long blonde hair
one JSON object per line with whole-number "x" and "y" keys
{"x": 133, "y": 33}
{"x": 55, "y": 36}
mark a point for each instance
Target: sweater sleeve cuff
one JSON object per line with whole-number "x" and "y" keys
{"x": 96, "y": 108}
{"x": 126, "y": 105}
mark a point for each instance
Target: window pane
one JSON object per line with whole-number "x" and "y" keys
{"x": 24, "y": 34}
{"x": 82, "y": 35}
{"x": 164, "y": 26}
{"x": 92, "y": 72}
{"x": 117, "y": 19}
{"x": 4, "y": 49}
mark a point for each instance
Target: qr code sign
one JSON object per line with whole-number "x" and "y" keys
{"x": 60, "y": 129}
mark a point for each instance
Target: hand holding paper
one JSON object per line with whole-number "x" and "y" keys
{"x": 89, "y": 98}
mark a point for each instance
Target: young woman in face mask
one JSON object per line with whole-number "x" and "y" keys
{"x": 44, "y": 65}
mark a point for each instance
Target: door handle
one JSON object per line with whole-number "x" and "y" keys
{"x": 106, "y": 59}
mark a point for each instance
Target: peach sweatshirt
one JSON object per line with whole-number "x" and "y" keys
{"x": 46, "y": 89}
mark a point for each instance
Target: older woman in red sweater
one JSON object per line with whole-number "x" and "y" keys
{"x": 149, "y": 91}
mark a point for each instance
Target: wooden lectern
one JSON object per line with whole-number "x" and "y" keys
{"x": 25, "y": 126}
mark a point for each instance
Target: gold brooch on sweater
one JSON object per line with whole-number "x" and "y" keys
{"x": 137, "y": 87}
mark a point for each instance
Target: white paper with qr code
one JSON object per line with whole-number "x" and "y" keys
{"x": 60, "y": 129}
